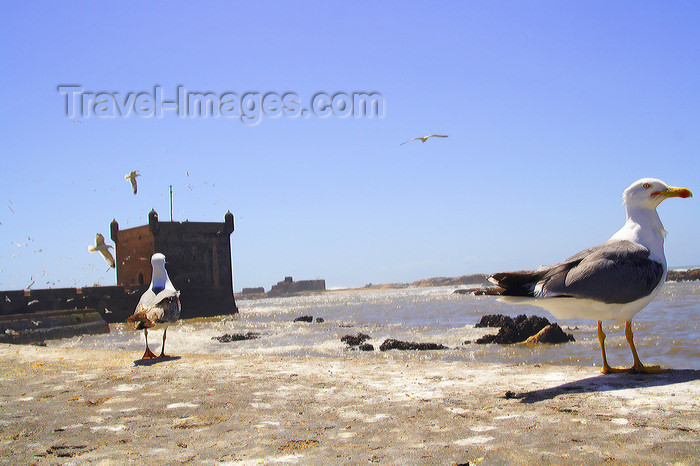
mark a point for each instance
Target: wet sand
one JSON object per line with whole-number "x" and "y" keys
{"x": 87, "y": 406}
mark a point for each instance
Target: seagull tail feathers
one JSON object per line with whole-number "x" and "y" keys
{"x": 520, "y": 283}
{"x": 140, "y": 320}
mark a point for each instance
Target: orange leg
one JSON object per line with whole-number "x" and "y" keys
{"x": 148, "y": 354}
{"x": 162, "y": 349}
{"x": 606, "y": 369}
{"x": 638, "y": 366}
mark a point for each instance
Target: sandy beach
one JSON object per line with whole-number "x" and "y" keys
{"x": 88, "y": 406}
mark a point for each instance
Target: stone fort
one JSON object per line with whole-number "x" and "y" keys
{"x": 197, "y": 258}
{"x": 198, "y": 261}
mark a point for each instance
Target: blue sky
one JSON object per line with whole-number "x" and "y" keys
{"x": 552, "y": 110}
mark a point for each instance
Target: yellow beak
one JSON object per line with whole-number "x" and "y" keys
{"x": 672, "y": 191}
{"x": 679, "y": 192}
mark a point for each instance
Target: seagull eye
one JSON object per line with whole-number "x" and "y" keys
{"x": 646, "y": 186}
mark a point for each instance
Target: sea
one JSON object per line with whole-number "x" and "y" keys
{"x": 666, "y": 332}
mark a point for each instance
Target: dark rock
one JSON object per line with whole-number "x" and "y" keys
{"x": 551, "y": 334}
{"x": 486, "y": 339}
{"x": 493, "y": 320}
{"x": 512, "y": 330}
{"x": 228, "y": 338}
{"x": 406, "y": 345}
{"x": 355, "y": 340}
{"x": 304, "y": 319}
{"x": 366, "y": 347}
{"x": 319, "y": 320}
{"x": 530, "y": 326}
{"x": 508, "y": 333}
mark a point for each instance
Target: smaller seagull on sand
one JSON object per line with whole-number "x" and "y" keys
{"x": 425, "y": 138}
{"x": 103, "y": 249}
{"x": 131, "y": 177}
{"x": 158, "y": 306}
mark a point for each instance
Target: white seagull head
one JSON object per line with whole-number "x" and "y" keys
{"x": 648, "y": 193}
{"x": 160, "y": 279}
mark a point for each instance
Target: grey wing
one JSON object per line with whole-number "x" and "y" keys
{"x": 167, "y": 306}
{"x": 614, "y": 272}
{"x": 161, "y": 307}
{"x": 171, "y": 309}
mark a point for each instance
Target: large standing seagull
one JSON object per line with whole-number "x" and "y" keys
{"x": 611, "y": 281}
{"x": 158, "y": 306}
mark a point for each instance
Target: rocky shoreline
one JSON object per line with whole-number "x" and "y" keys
{"x": 522, "y": 329}
{"x": 683, "y": 275}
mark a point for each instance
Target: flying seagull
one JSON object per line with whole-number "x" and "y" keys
{"x": 425, "y": 138}
{"x": 611, "y": 281}
{"x": 103, "y": 249}
{"x": 131, "y": 177}
{"x": 158, "y": 306}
